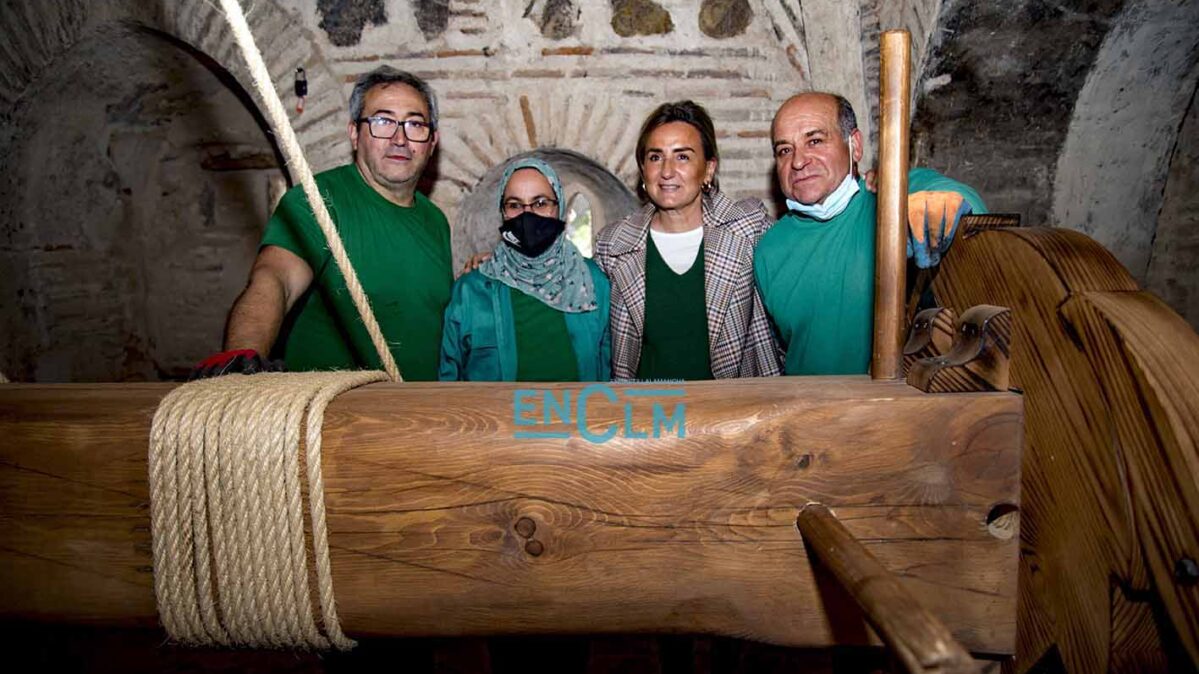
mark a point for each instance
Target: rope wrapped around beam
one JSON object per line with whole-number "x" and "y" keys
{"x": 226, "y": 510}
{"x": 231, "y": 564}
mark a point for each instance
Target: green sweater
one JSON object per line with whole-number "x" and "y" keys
{"x": 675, "y": 342}
{"x": 402, "y": 258}
{"x": 543, "y": 348}
{"x": 817, "y": 280}
{"x": 479, "y": 339}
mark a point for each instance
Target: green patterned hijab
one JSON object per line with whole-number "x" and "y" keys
{"x": 558, "y": 277}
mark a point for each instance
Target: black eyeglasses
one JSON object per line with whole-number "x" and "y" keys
{"x": 546, "y": 207}
{"x": 385, "y": 128}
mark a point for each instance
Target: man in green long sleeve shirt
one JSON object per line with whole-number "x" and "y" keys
{"x": 815, "y": 267}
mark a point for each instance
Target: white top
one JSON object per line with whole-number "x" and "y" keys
{"x": 678, "y": 250}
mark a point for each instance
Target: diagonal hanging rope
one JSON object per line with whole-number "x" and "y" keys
{"x": 226, "y": 498}
{"x": 290, "y": 146}
{"x": 226, "y": 510}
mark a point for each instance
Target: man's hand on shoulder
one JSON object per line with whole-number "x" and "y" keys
{"x": 237, "y": 361}
{"x": 932, "y": 222}
{"x": 474, "y": 262}
{"x": 871, "y": 179}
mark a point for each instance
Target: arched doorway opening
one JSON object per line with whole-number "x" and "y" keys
{"x": 140, "y": 178}
{"x": 579, "y": 226}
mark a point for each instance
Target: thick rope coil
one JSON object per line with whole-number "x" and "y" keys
{"x": 226, "y": 510}
{"x": 289, "y": 145}
{"x": 226, "y": 505}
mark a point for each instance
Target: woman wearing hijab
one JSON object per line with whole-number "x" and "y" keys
{"x": 537, "y": 310}
{"x": 684, "y": 305}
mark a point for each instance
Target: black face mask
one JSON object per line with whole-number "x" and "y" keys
{"x": 530, "y": 234}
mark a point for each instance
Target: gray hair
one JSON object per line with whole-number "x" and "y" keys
{"x": 389, "y": 75}
{"x": 846, "y": 118}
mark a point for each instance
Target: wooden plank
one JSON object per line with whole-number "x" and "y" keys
{"x": 1147, "y": 361}
{"x": 919, "y": 639}
{"x": 890, "y": 268}
{"x": 442, "y": 523}
{"x": 1076, "y": 533}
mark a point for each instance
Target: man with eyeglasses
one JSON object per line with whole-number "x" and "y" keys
{"x": 296, "y": 306}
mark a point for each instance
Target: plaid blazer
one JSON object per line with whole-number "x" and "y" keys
{"x": 741, "y": 343}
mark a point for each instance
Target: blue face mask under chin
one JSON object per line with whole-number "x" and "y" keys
{"x": 836, "y": 202}
{"x": 832, "y": 206}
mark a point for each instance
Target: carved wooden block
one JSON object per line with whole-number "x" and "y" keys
{"x": 978, "y": 359}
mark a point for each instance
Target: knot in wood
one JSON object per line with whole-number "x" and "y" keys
{"x": 525, "y": 526}
{"x": 534, "y": 548}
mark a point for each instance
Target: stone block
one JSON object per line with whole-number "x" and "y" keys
{"x": 724, "y": 18}
{"x": 640, "y": 17}
{"x": 344, "y": 20}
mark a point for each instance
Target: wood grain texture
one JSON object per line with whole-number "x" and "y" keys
{"x": 974, "y": 223}
{"x": 441, "y": 523}
{"x": 978, "y": 360}
{"x": 1137, "y": 646}
{"x": 891, "y": 264}
{"x": 920, "y": 641}
{"x": 931, "y": 335}
{"x": 1078, "y": 537}
{"x": 1147, "y": 360}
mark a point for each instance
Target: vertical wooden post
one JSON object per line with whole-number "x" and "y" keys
{"x": 890, "y": 269}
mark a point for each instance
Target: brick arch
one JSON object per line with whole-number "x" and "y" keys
{"x": 41, "y": 32}
{"x": 599, "y": 126}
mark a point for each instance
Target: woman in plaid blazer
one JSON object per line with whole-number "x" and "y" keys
{"x": 686, "y": 214}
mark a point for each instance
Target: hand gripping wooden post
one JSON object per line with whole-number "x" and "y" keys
{"x": 890, "y": 269}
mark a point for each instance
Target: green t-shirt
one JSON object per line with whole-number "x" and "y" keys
{"x": 817, "y": 280}
{"x": 543, "y": 348}
{"x": 675, "y": 343}
{"x": 402, "y": 258}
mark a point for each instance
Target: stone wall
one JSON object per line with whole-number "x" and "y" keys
{"x": 1068, "y": 113}
{"x": 1111, "y": 172}
{"x": 999, "y": 86}
{"x": 124, "y": 230}
{"x": 1172, "y": 264}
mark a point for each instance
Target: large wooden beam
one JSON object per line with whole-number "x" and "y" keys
{"x": 442, "y": 522}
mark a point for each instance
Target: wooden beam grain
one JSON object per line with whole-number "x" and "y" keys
{"x": 443, "y": 523}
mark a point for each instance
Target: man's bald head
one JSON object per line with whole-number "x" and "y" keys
{"x": 816, "y": 141}
{"x": 847, "y": 120}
